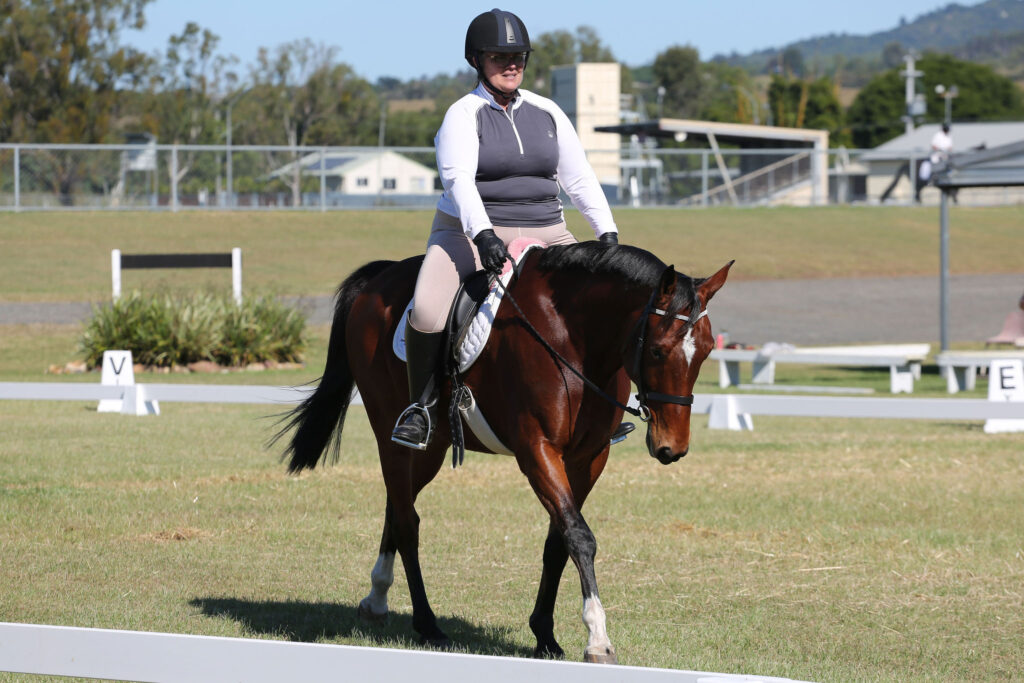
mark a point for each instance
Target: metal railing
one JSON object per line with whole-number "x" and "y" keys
{"x": 151, "y": 177}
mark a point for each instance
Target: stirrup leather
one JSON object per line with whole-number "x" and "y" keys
{"x": 415, "y": 408}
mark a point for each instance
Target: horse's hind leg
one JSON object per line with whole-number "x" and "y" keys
{"x": 374, "y": 607}
{"x": 405, "y": 475}
{"x": 542, "y": 621}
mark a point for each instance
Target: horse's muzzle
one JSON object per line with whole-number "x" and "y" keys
{"x": 664, "y": 454}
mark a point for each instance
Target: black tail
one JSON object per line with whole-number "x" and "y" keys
{"x": 319, "y": 420}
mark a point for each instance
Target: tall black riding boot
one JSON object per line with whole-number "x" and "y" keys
{"x": 416, "y": 423}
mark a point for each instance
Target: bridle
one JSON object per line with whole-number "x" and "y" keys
{"x": 643, "y": 395}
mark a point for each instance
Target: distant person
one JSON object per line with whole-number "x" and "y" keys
{"x": 942, "y": 145}
{"x": 941, "y": 148}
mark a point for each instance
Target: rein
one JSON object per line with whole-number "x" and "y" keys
{"x": 643, "y": 412}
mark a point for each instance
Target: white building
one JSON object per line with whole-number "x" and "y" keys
{"x": 364, "y": 172}
{"x": 588, "y": 93}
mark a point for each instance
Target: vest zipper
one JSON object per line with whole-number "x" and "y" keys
{"x": 508, "y": 114}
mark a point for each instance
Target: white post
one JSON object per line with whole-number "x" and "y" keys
{"x": 115, "y": 272}
{"x": 17, "y": 178}
{"x": 704, "y": 179}
{"x": 236, "y": 274}
{"x": 819, "y": 176}
{"x": 323, "y": 179}
{"x": 174, "y": 178}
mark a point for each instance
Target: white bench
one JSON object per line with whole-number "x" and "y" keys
{"x": 961, "y": 367}
{"x": 903, "y": 361}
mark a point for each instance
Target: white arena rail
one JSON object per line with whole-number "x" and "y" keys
{"x": 733, "y": 411}
{"x": 726, "y": 411}
{"x": 138, "y": 656}
{"x": 137, "y": 394}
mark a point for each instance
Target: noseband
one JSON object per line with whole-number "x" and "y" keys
{"x": 643, "y": 395}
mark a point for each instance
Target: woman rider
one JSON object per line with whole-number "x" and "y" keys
{"x": 502, "y": 154}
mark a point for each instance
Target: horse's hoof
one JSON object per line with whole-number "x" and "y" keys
{"x": 549, "y": 651}
{"x": 437, "y": 642}
{"x": 368, "y": 615}
{"x": 604, "y": 655}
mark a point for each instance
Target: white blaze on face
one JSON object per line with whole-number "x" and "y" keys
{"x": 594, "y": 619}
{"x": 381, "y": 578}
{"x": 689, "y": 346}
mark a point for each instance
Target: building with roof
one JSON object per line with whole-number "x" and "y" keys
{"x": 364, "y": 172}
{"x": 887, "y": 166}
{"x": 588, "y": 93}
{"x": 763, "y": 164}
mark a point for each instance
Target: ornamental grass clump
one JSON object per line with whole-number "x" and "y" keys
{"x": 259, "y": 330}
{"x": 167, "y": 330}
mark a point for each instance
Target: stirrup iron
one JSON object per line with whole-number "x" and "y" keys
{"x": 622, "y": 432}
{"x": 415, "y": 409}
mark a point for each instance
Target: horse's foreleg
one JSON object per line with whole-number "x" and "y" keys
{"x": 542, "y": 621}
{"x": 374, "y": 607}
{"x": 552, "y": 486}
{"x": 582, "y": 548}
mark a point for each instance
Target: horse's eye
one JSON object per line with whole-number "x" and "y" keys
{"x": 656, "y": 353}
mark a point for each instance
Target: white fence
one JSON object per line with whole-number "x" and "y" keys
{"x": 726, "y": 411}
{"x": 137, "y": 656}
{"x": 734, "y": 411}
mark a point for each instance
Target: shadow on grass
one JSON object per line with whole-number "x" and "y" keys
{"x": 308, "y": 622}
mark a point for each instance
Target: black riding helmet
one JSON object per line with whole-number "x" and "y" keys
{"x": 495, "y": 31}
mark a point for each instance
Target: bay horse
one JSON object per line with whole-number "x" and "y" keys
{"x": 614, "y": 312}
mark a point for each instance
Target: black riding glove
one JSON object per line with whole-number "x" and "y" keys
{"x": 609, "y": 238}
{"x": 493, "y": 253}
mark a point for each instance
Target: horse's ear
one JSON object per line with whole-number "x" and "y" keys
{"x": 708, "y": 287}
{"x": 667, "y": 286}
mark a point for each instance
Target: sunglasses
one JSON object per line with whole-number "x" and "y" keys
{"x": 504, "y": 59}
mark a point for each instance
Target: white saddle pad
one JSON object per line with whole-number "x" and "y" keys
{"x": 480, "y": 329}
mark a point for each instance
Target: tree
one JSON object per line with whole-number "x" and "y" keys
{"x": 307, "y": 98}
{"x": 892, "y": 55}
{"x": 733, "y": 96}
{"x": 185, "y": 93}
{"x": 687, "y": 92}
{"x": 791, "y": 61}
{"x": 560, "y": 48}
{"x": 876, "y": 114}
{"x": 62, "y": 65}
{"x": 61, "y": 71}
{"x": 803, "y": 103}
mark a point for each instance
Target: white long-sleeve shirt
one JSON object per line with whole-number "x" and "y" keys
{"x": 504, "y": 167}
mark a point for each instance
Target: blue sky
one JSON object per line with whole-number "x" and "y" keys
{"x": 406, "y": 40}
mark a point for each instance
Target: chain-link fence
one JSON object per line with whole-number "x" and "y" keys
{"x": 190, "y": 177}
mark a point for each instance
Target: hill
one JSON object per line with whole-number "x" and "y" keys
{"x": 991, "y": 32}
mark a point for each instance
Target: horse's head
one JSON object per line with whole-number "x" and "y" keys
{"x": 673, "y": 339}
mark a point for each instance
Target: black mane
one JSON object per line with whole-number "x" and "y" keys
{"x": 634, "y": 265}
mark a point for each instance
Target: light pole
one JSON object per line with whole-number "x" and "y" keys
{"x": 915, "y": 105}
{"x": 948, "y": 94}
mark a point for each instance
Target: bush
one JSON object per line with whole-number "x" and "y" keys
{"x": 167, "y": 330}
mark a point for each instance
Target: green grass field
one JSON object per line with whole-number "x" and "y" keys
{"x": 828, "y": 550}
{"x": 66, "y": 256}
